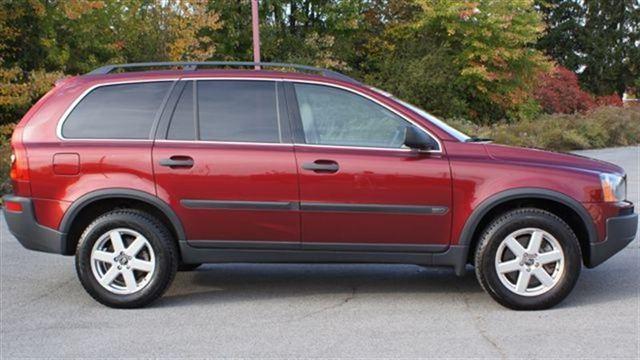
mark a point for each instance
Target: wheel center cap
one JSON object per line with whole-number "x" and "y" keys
{"x": 122, "y": 259}
{"x": 528, "y": 259}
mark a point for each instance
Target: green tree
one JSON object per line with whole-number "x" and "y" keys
{"x": 20, "y": 89}
{"x": 481, "y": 55}
{"x": 25, "y": 34}
{"x": 564, "y": 24}
{"x": 77, "y": 36}
{"x": 312, "y": 31}
{"x": 316, "y": 32}
{"x": 599, "y": 39}
{"x": 233, "y": 37}
{"x": 611, "y": 46}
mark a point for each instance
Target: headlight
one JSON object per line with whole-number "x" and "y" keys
{"x": 614, "y": 187}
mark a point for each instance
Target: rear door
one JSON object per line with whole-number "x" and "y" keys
{"x": 225, "y": 163}
{"x": 360, "y": 189}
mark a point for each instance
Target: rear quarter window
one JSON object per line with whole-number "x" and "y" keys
{"x": 122, "y": 111}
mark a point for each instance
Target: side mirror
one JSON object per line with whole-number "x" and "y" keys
{"x": 418, "y": 140}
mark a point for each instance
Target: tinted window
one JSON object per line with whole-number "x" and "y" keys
{"x": 183, "y": 121}
{"x": 332, "y": 116}
{"x": 243, "y": 111}
{"x": 125, "y": 111}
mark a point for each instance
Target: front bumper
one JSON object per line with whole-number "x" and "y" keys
{"x": 33, "y": 236}
{"x": 621, "y": 230}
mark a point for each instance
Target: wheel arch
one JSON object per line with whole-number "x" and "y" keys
{"x": 103, "y": 199}
{"x": 567, "y": 208}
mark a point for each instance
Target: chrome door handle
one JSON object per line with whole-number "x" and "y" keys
{"x": 322, "y": 166}
{"x": 177, "y": 162}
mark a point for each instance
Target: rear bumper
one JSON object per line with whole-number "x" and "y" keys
{"x": 621, "y": 230}
{"x": 23, "y": 225}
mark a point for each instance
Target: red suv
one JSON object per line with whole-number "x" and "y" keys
{"x": 141, "y": 173}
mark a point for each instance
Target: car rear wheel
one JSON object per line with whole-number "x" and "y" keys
{"x": 126, "y": 259}
{"x": 528, "y": 259}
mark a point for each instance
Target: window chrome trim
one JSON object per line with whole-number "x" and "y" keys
{"x": 84, "y": 94}
{"x": 71, "y": 107}
{"x": 347, "y": 147}
{"x": 214, "y": 142}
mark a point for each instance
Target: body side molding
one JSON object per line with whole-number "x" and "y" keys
{"x": 314, "y": 206}
{"x": 375, "y": 208}
{"x": 239, "y": 205}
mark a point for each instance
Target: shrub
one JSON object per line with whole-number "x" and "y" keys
{"x": 19, "y": 91}
{"x": 559, "y": 92}
{"x": 605, "y": 126}
{"x": 5, "y": 153}
{"x": 609, "y": 100}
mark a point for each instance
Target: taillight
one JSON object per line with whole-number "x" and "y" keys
{"x": 13, "y": 206}
{"x": 19, "y": 173}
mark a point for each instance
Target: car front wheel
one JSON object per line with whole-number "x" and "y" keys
{"x": 528, "y": 259}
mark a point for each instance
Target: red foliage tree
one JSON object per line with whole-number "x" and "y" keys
{"x": 559, "y": 92}
{"x": 609, "y": 100}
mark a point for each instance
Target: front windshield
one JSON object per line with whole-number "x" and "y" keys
{"x": 437, "y": 122}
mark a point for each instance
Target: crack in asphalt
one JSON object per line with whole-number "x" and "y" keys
{"x": 327, "y": 308}
{"x": 477, "y": 321}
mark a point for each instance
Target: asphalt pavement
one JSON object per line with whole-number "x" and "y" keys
{"x": 245, "y": 310}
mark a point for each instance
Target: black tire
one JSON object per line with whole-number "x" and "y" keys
{"x": 160, "y": 239}
{"x": 188, "y": 267}
{"x": 514, "y": 220}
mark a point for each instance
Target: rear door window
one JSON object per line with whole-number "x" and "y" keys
{"x": 238, "y": 111}
{"x": 122, "y": 111}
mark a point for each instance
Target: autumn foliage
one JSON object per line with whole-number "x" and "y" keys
{"x": 609, "y": 100}
{"x": 559, "y": 92}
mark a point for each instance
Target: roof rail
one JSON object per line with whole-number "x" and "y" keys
{"x": 194, "y": 65}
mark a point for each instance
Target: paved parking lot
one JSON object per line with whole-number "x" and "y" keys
{"x": 319, "y": 310}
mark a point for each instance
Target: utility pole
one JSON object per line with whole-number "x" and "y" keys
{"x": 256, "y": 32}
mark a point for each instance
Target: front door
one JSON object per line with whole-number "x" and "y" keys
{"x": 226, "y": 165}
{"x": 360, "y": 188}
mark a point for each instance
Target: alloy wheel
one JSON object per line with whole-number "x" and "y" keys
{"x": 529, "y": 262}
{"x": 123, "y": 261}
